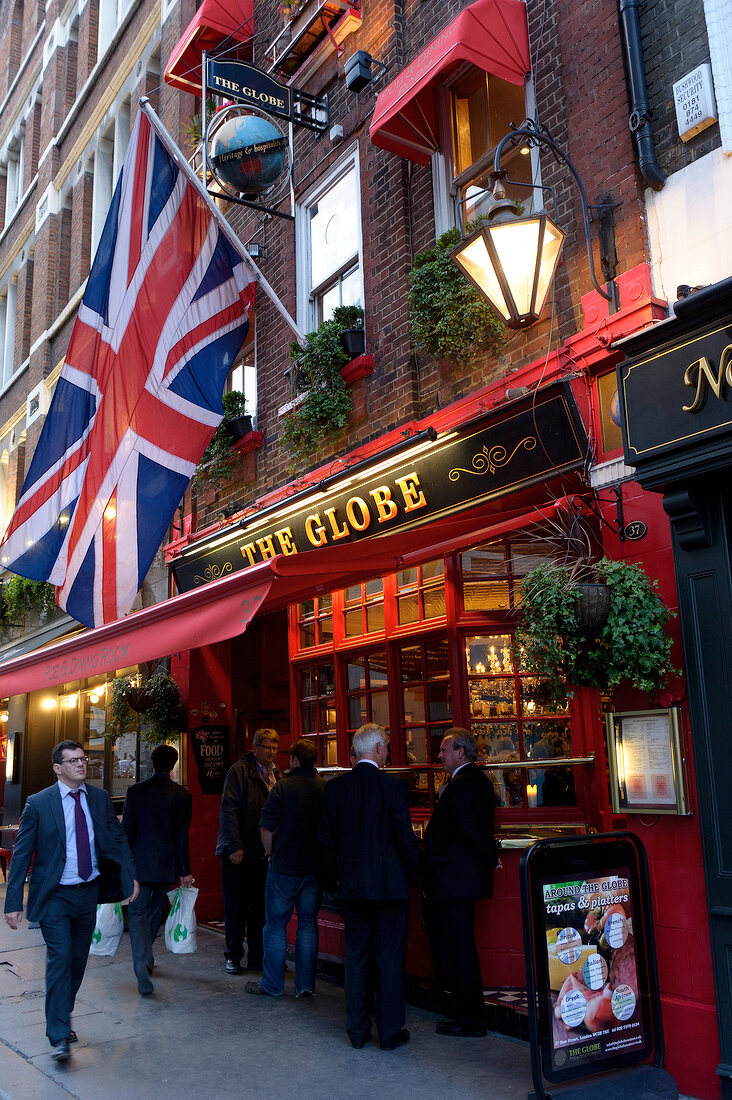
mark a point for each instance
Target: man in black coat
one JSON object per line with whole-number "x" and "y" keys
{"x": 460, "y": 857}
{"x": 156, "y": 819}
{"x": 239, "y": 844}
{"x": 71, "y": 834}
{"x": 367, "y": 832}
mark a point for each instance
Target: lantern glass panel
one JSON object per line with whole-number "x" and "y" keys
{"x": 516, "y": 246}
{"x": 476, "y": 261}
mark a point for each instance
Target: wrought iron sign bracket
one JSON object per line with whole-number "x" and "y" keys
{"x": 305, "y": 107}
{"x": 593, "y": 506}
{"x": 252, "y": 205}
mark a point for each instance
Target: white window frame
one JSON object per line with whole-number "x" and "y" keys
{"x": 103, "y": 184}
{"x": 8, "y": 304}
{"x": 444, "y": 194}
{"x": 306, "y": 301}
{"x": 14, "y": 161}
{"x": 111, "y": 17}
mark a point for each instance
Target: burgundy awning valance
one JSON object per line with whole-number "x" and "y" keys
{"x": 490, "y": 34}
{"x": 216, "y": 23}
{"x": 224, "y": 608}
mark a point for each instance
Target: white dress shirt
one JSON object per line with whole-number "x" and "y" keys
{"x": 71, "y": 876}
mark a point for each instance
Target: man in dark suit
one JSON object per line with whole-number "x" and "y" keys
{"x": 460, "y": 857}
{"x": 243, "y": 862}
{"x": 155, "y": 819}
{"x": 71, "y": 833}
{"x": 367, "y": 831}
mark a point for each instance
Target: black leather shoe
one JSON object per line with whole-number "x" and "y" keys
{"x": 401, "y": 1037}
{"x": 73, "y": 1037}
{"x": 61, "y": 1052}
{"x": 359, "y": 1044}
{"x": 232, "y": 967}
{"x": 453, "y": 1027}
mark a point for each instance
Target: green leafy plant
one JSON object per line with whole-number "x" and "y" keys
{"x": 448, "y": 317}
{"x": 218, "y": 461}
{"x": 151, "y": 707}
{"x": 633, "y": 644}
{"x": 21, "y": 596}
{"x": 327, "y": 404}
{"x": 193, "y": 131}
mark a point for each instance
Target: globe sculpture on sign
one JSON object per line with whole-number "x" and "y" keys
{"x": 249, "y": 155}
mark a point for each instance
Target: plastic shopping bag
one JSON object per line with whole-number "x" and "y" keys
{"x": 108, "y": 929}
{"x": 180, "y": 927}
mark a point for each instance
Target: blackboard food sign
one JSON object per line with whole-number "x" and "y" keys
{"x": 589, "y": 935}
{"x": 211, "y": 750}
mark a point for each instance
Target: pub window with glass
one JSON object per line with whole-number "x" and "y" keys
{"x": 330, "y": 269}
{"x": 81, "y": 712}
{"x": 478, "y": 110}
{"x": 397, "y": 651}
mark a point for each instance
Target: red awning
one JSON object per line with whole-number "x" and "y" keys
{"x": 490, "y": 34}
{"x": 224, "y": 608}
{"x": 216, "y": 23}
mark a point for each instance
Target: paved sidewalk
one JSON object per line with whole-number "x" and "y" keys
{"x": 201, "y": 1035}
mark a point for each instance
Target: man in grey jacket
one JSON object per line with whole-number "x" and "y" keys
{"x": 239, "y": 844}
{"x": 71, "y": 833}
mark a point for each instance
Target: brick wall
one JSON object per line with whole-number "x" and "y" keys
{"x": 674, "y": 38}
{"x": 81, "y": 228}
{"x": 587, "y": 117}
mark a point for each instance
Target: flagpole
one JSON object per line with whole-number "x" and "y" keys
{"x": 228, "y": 232}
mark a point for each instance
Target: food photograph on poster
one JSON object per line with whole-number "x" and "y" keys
{"x": 593, "y": 973}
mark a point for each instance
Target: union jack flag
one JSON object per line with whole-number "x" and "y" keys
{"x": 163, "y": 317}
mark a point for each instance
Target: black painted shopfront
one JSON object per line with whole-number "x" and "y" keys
{"x": 676, "y": 394}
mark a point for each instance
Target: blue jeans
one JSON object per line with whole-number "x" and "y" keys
{"x": 283, "y": 894}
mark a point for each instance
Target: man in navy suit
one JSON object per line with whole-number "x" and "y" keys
{"x": 155, "y": 820}
{"x": 367, "y": 831}
{"x": 460, "y": 856}
{"x": 71, "y": 833}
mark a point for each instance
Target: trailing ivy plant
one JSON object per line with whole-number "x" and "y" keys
{"x": 218, "y": 461}
{"x": 158, "y": 722}
{"x": 327, "y": 404}
{"x": 633, "y": 645}
{"x": 20, "y": 595}
{"x": 448, "y": 317}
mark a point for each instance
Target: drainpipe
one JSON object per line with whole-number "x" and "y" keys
{"x": 639, "y": 121}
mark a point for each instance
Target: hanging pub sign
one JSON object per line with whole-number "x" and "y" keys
{"x": 250, "y": 86}
{"x": 245, "y": 84}
{"x": 211, "y": 751}
{"x": 249, "y": 155}
{"x": 591, "y": 973}
{"x": 245, "y": 151}
{"x": 502, "y": 454}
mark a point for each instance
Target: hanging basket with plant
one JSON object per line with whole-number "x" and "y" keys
{"x": 151, "y": 708}
{"x": 219, "y": 461}
{"x": 448, "y": 317}
{"x": 327, "y": 403}
{"x": 612, "y": 634}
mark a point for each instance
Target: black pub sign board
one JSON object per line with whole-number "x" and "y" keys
{"x": 504, "y": 452}
{"x": 244, "y": 83}
{"x": 675, "y": 391}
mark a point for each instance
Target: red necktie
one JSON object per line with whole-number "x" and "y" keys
{"x": 83, "y": 851}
